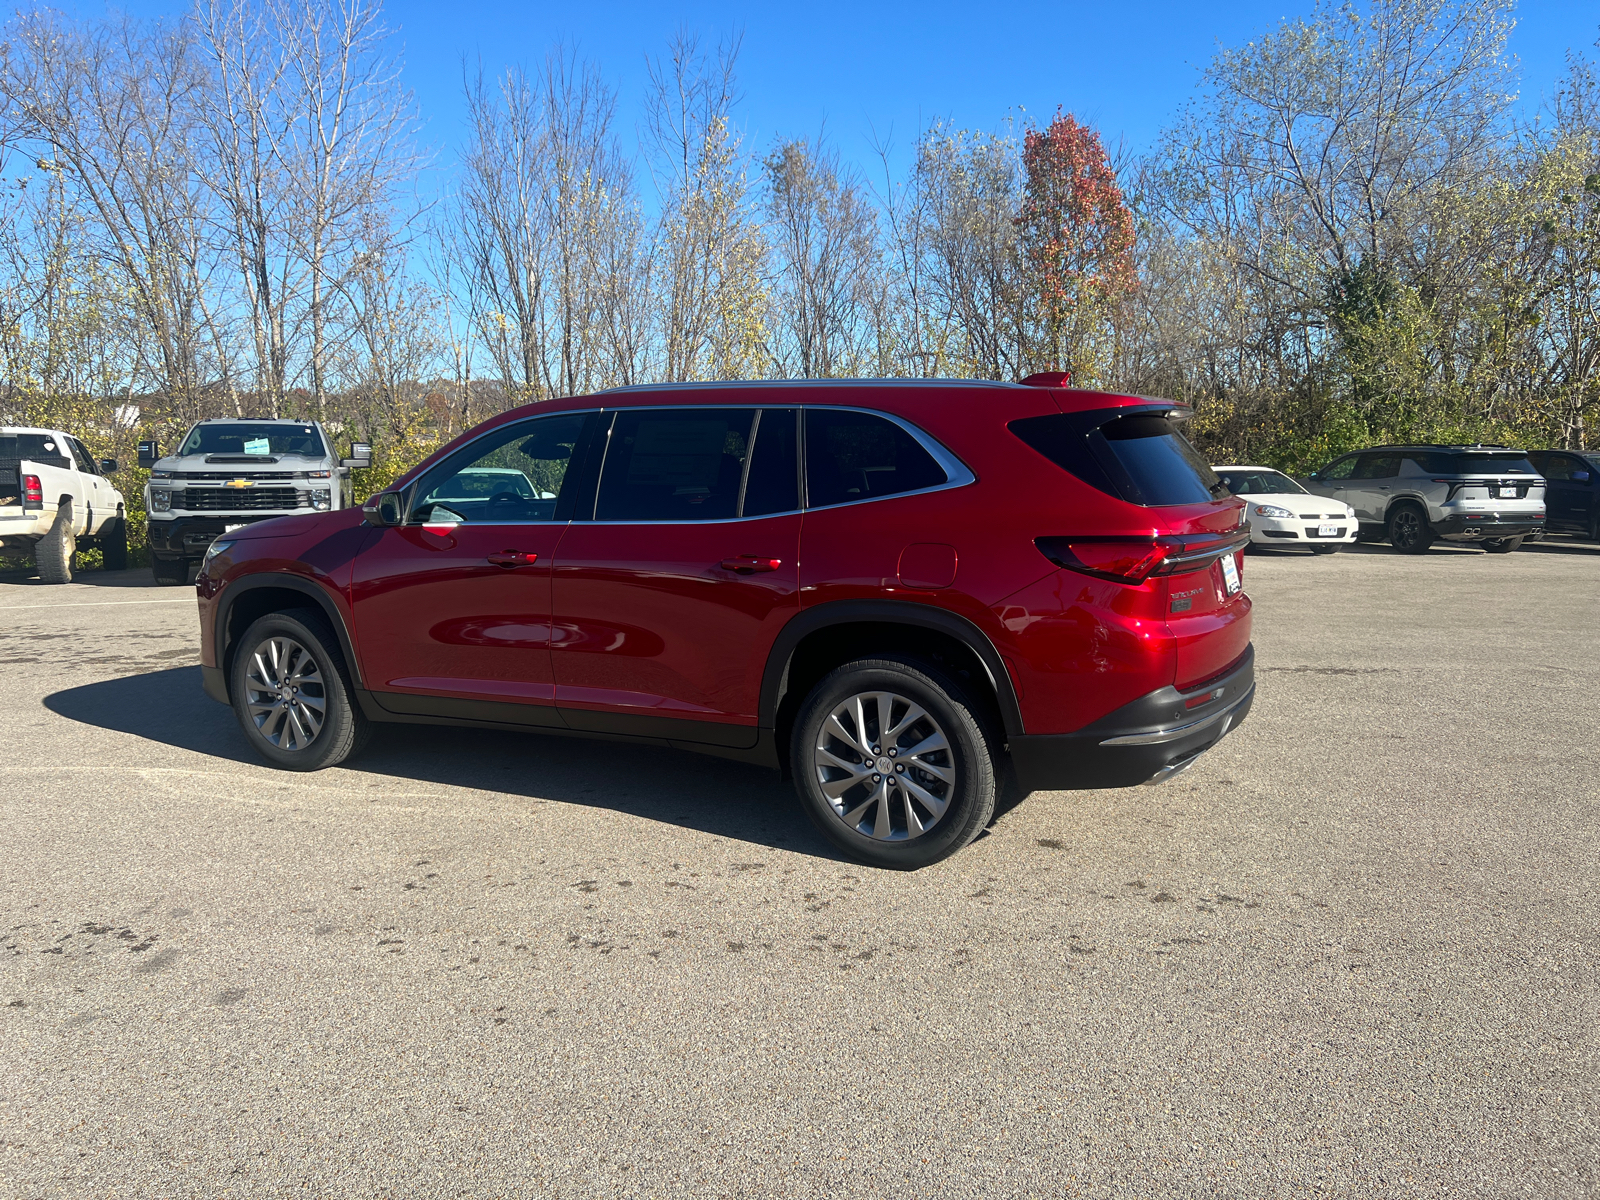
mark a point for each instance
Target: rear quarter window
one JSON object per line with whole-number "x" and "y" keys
{"x": 853, "y": 456}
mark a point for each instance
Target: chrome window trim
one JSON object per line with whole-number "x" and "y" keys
{"x": 957, "y": 473}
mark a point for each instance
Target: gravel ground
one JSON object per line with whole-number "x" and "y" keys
{"x": 1352, "y": 953}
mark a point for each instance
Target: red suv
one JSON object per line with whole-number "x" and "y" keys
{"x": 904, "y": 594}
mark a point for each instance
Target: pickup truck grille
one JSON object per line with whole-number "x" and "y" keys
{"x": 225, "y": 499}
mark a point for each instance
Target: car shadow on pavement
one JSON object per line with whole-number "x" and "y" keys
{"x": 715, "y": 796}
{"x": 133, "y": 577}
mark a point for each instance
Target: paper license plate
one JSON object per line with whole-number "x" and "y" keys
{"x": 1327, "y": 531}
{"x": 1230, "y": 573}
{"x": 1508, "y": 493}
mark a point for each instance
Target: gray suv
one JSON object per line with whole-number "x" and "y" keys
{"x": 1478, "y": 495}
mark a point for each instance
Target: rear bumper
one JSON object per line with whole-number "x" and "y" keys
{"x": 1490, "y": 525}
{"x": 1150, "y": 739}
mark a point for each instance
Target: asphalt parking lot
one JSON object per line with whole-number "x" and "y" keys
{"x": 1352, "y": 953}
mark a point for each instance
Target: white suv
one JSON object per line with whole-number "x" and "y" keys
{"x": 1479, "y": 495}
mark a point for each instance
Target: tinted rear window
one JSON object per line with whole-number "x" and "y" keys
{"x": 1506, "y": 463}
{"x": 1164, "y": 467}
{"x": 42, "y": 448}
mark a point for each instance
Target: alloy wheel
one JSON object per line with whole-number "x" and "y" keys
{"x": 284, "y": 693}
{"x": 885, "y": 766}
{"x": 1406, "y": 528}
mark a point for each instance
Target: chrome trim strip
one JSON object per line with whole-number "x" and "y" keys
{"x": 1178, "y": 731}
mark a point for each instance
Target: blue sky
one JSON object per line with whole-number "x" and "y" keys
{"x": 864, "y": 70}
{"x": 859, "y": 68}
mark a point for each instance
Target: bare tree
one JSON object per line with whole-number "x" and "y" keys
{"x": 823, "y": 230}
{"x": 710, "y": 251}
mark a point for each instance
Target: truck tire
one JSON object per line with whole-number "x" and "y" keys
{"x": 1409, "y": 531}
{"x": 53, "y": 552}
{"x": 865, "y": 779}
{"x": 292, "y": 694}
{"x": 169, "y": 572}
{"x": 114, "y": 544}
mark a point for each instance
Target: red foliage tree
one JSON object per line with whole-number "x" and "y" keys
{"x": 1077, "y": 242}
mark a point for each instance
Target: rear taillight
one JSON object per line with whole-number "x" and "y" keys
{"x": 32, "y": 490}
{"x": 1133, "y": 560}
{"x": 1123, "y": 561}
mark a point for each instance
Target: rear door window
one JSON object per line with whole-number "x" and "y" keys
{"x": 854, "y": 456}
{"x": 772, "y": 484}
{"x": 683, "y": 464}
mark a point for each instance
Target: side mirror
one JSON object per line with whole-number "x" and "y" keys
{"x": 108, "y": 466}
{"x": 1580, "y": 477}
{"x": 149, "y": 454}
{"x": 385, "y": 509}
{"x": 360, "y": 456}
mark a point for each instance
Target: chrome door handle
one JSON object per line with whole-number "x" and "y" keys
{"x": 750, "y": 564}
{"x": 513, "y": 558}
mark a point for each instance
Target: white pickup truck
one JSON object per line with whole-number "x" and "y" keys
{"x": 53, "y": 496}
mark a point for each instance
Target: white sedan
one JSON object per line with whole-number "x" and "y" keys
{"x": 1284, "y": 514}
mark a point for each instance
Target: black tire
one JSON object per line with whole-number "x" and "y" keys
{"x": 1501, "y": 545}
{"x": 272, "y": 730}
{"x": 114, "y": 545}
{"x": 1323, "y": 549}
{"x": 1409, "y": 531}
{"x": 968, "y": 794}
{"x": 169, "y": 572}
{"x": 52, "y": 553}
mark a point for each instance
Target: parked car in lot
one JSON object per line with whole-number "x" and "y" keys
{"x": 1571, "y": 489}
{"x": 53, "y": 497}
{"x": 1413, "y": 495}
{"x": 1283, "y": 514}
{"x": 902, "y": 593}
{"x": 230, "y": 473}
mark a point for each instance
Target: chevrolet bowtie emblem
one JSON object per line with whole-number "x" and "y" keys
{"x": 240, "y": 483}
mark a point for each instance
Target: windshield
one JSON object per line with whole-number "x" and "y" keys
{"x": 1260, "y": 483}
{"x": 1513, "y": 462}
{"x": 250, "y": 440}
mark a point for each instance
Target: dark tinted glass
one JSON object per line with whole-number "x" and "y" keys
{"x": 42, "y": 448}
{"x": 1555, "y": 466}
{"x": 857, "y": 456}
{"x": 1163, "y": 466}
{"x": 249, "y": 440}
{"x": 511, "y": 477}
{"x": 773, "y": 485}
{"x": 1504, "y": 462}
{"x": 85, "y": 463}
{"x": 1377, "y": 466}
{"x": 675, "y": 464}
{"x": 1428, "y": 462}
{"x": 1340, "y": 468}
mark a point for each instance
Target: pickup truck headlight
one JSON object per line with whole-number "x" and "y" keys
{"x": 160, "y": 500}
{"x": 319, "y": 499}
{"x": 1272, "y": 510}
